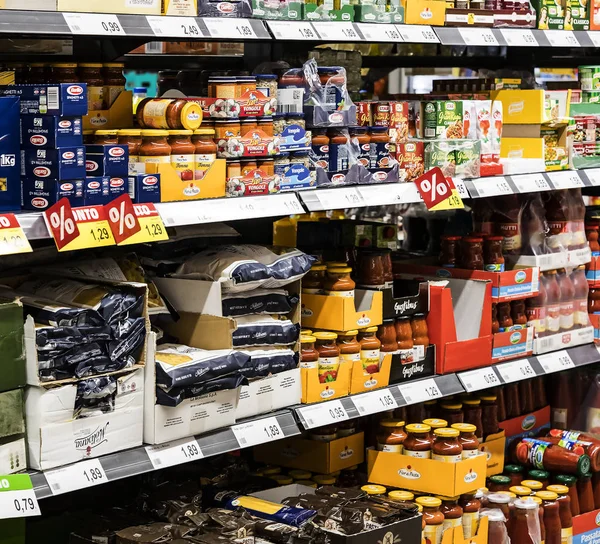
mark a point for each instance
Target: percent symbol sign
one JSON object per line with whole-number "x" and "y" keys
{"x": 433, "y": 187}
{"x": 121, "y": 216}
{"x": 59, "y": 222}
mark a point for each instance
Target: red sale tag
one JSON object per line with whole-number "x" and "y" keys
{"x": 122, "y": 218}
{"x": 152, "y": 227}
{"x": 437, "y": 191}
{"x": 61, "y": 223}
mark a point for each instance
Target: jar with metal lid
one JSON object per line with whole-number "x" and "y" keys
{"x": 205, "y": 151}
{"x": 515, "y": 473}
{"x": 309, "y": 356}
{"x": 452, "y": 412}
{"x": 297, "y": 474}
{"x": 467, "y": 438}
{"x": 472, "y": 415}
{"x": 248, "y": 166}
{"x": 327, "y": 433}
{"x": 106, "y": 137}
{"x": 349, "y": 346}
{"x": 227, "y": 128}
{"x": 417, "y": 442}
{"x": 266, "y": 125}
{"x": 167, "y": 113}
{"x": 248, "y": 124}
{"x": 38, "y": 73}
{"x": 267, "y": 85}
{"x": 339, "y": 283}
{"x": 391, "y": 435}
{"x": 433, "y": 518}
{"x": 329, "y": 356}
{"x": 321, "y": 480}
{"x": 314, "y": 281}
{"x": 155, "y": 148}
{"x": 182, "y": 153}
{"x": 435, "y": 423}
{"x": 373, "y": 490}
{"x": 113, "y": 74}
{"x": 498, "y": 482}
{"x": 282, "y": 479}
{"x": 132, "y": 138}
{"x": 360, "y": 136}
{"x": 91, "y": 74}
{"x": 370, "y": 349}
{"x": 222, "y": 86}
{"x": 234, "y": 169}
{"x": 64, "y": 72}
{"x": 88, "y": 136}
{"x": 446, "y": 446}
{"x": 347, "y": 428}
{"x": 244, "y": 84}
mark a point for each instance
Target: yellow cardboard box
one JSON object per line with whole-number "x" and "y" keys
{"x": 312, "y": 455}
{"x": 180, "y": 7}
{"x": 147, "y": 7}
{"x": 456, "y": 535}
{"x": 359, "y": 383}
{"x": 315, "y": 391}
{"x": 426, "y": 475}
{"x": 425, "y": 12}
{"x": 119, "y": 115}
{"x": 522, "y": 148}
{"x": 342, "y": 313}
{"x": 521, "y": 106}
{"x": 493, "y": 448}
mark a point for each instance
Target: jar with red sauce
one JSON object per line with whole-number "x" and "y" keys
{"x": 467, "y": 439}
{"x": 435, "y": 423}
{"x": 360, "y": 136}
{"x": 498, "y": 483}
{"x": 551, "y": 516}
{"x": 449, "y": 252}
{"x": 417, "y": 442}
{"x": 489, "y": 414}
{"x": 349, "y": 347}
{"x": 525, "y": 526}
{"x": 585, "y": 493}
{"x": 539, "y": 476}
{"x": 497, "y": 529}
{"x": 515, "y": 473}
{"x": 420, "y": 331}
{"x": 570, "y": 482}
{"x": 433, "y": 518}
{"x": 387, "y": 335}
{"x": 492, "y": 254}
{"x": 472, "y": 415}
{"x": 391, "y": 435}
{"x": 564, "y": 511}
{"x": 371, "y": 270}
{"x": 452, "y": 412}
{"x": 471, "y": 253}
{"x": 446, "y": 446}
{"x": 452, "y": 511}
{"x": 309, "y": 356}
{"x": 471, "y": 506}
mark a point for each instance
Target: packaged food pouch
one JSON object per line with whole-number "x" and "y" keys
{"x": 264, "y": 330}
{"x": 264, "y": 362}
{"x": 95, "y": 396}
{"x": 59, "y": 338}
{"x": 258, "y": 301}
{"x": 176, "y": 395}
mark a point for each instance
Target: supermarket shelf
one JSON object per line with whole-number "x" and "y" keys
{"x": 136, "y": 461}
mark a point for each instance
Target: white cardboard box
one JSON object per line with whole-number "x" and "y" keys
{"x": 41, "y": 5}
{"x": 13, "y": 456}
{"x": 55, "y": 438}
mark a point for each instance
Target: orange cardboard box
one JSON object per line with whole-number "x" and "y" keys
{"x": 315, "y": 391}
{"x": 425, "y": 12}
{"x": 359, "y": 383}
{"x": 493, "y": 447}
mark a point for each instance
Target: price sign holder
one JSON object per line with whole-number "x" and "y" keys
{"x": 373, "y": 402}
{"x": 374, "y": 32}
{"x": 437, "y": 191}
{"x": 567, "y": 179}
{"x": 94, "y": 229}
{"x": 478, "y": 36}
{"x": 493, "y": 186}
{"x": 531, "y": 183}
{"x": 555, "y": 361}
{"x": 257, "y": 432}
{"x": 417, "y": 34}
{"x": 335, "y": 199}
{"x": 515, "y": 371}
{"x": 562, "y": 38}
{"x": 293, "y": 30}
{"x": 174, "y": 453}
{"x": 77, "y": 476}
{"x": 179, "y": 27}
{"x": 17, "y": 497}
{"x": 229, "y": 28}
{"x": 324, "y": 413}
{"x": 593, "y": 174}
{"x": 12, "y": 237}
{"x": 420, "y": 391}
{"x": 152, "y": 228}
{"x": 337, "y": 31}
{"x": 94, "y": 23}
{"x": 61, "y": 223}
{"x": 481, "y": 378}
{"x": 522, "y": 37}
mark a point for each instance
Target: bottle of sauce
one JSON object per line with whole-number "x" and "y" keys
{"x": 546, "y": 456}
{"x": 132, "y": 138}
{"x": 564, "y": 511}
{"x": 580, "y": 298}
{"x": 498, "y": 483}
{"x": 430, "y": 409}
{"x": 434, "y": 519}
{"x": 551, "y": 516}
{"x": 497, "y": 528}
{"x": 155, "y": 148}
{"x": 471, "y": 506}
{"x": 525, "y": 526}
{"x": 535, "y": 310}
{"x": 391, "y": 435}
{"x": 386, "y": 334}
{"x": 592, "y": 233}
{"x": 495, "y": 322}
{"x": 329, "y": 356}
{"x": 570, "y": 482}
{"x": 594, "y": 301}
{"x": 472, "y": 415}
{"x": 539, "y": 476}
{"x": 501, "y": 502}
{"x": 517, "y": 313}
{"x": 205, "y": 151}
{"x": 585, "y": 493}
{"x": 370, "y": 348}
{"x": 359, "y": 136}
{"x": 415, "y": 413}
{"x": 492, "y": 254}
{"x": 579, "y": 440}
{"x": 338, "y": 282}
{"x": 370, "y": 270}
{"x": 553, "y": 302}
{"x": 404, "y": 339}
{"x": 449, "y": 251}
{"x": 309, "y": 356}
{"x": 452, "y": 511}
{"x": 515, "y": 473}
{"x": 446, "y": 446}
{"x": 576, "y": 212}
{"x": 452, "y": 412}
{"x": 560, "y": 416}
{"x": 504, "y": 319}
{"x": 417, "y": 442}
{"x": 489, "y": 414}
{"x": 539, "y": 392}
{"x": 471, "y": 253}
{"x": 557, "y": 206}
{"x": 349, "y": 347}
{"x": 526, "y": 396}
{"x": 467, "y": 439}
{"x": 420, "y": 332}
{"x": 567, "y": 295}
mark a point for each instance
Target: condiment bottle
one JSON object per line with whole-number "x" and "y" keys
{"x": 434, "y": 519}
{"x": 497, "y": 530}
{"x": 349, "y": 347}
{"x": 504, "y": 319}
{"x": 552, "y": 302}
{"x": 420, "y": 331}
{"x": 526, "y": 396}
{"x": 492, "y": 254}
{"x": 417, "y": 442}
{"x": 534, "y": 485}
{"x": 489, "y": 414}
{"x": 467, "y": 439}
{"x": 371, "y": 270}
{"x": 495, "y": 322}
{"x": 585, "y": 493}
{"x": 309, "y": 356}
{"x": 449, "y": 251}
{"x": 564, "y": 511}
{"x": 515, "y": 473}
{"x": 525, "y": 527}
{"x": 472, "y": 415}
{"x": 404, "y": 339}
{"x": 452, "y": 412}
{"x": 370, "y": 348}
{"x": 471, "y": 506}
{"x": 329, "y": 356}
{"x": 391, "y": 435}
{"x": 430, "y": 409}
{"x": 498, "y": 483}
{"x": 539, "y": 475}
{"x": 452, "y": 511}
{"x": 571, "y": 483}
{"x": 446, "y": 446}
{"x": 511, "y": 400}
{"x": 552, "y": 457}
{"x": 567, "y": 296}
{"x": 387, "y": 336}
{"x": 551, "y": 516}
{"x": 517, "y": 313}
{"x": 339, "y": 283}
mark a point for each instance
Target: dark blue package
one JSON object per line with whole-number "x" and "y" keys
{"x": 40, "y": 194}
{"x": 144, "y": 188}
{"x": 48, "y": 131}
{"x": 100, "y": 190}
{"x": 66, "y": 99}
{"x": 63, "y": 163}
{"x": 107, "y": 160}
{"x": 10, "y": 158}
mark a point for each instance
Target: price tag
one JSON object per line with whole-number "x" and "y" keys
{"x": 337, "y": 31}
{"x": 151, "y": 224}
{"x": 174, "y": 453}
{"x": 17, "y": 497}
{"x": 78, "y": 476}
{"x": 593, "y": 174}
{"x": 519, "y": 37}
{"x": 420, "y": 391}
{"x": 478, "y": 36}
{"x": 179, "y": 27}
{"x": 61, "y": 223}
{"x": 325, "y": 413}
{"x": 482, "y": 378}
{"x": 94, "y": 23}
{"x": 437, "y": 191}
{"x": 595, "y": 37}
{"x": 493, "y": 186}
{"x": 380, "y": 400}
{"x": 293, "y": 30}
{"x": 94, "y": 229}
{"x": 531, "y": 183}
{"x": 229, "y": 28}
{"x": 257, "y": 432}
{"x": 376, "y": 195}
{"x": 561, "y": 38}
{"x": 461, "y": 188}
{"x": 417, "y": 34}
{"x": 568, "y": 179}
{"x": 555, "y": 361}
{"x": 516, "y": 371}
{"x": 122, "y": 218}
{"x": 335, "y": 199}
{"x": 379, "y": 33}
{"x": 12, "y": 237}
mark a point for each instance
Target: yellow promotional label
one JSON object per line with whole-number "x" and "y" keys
{"x": 453, "y": 202}
{"x": 184, "y": 166}
{"x": 393, "y": 448}
{"x": 349, "y": 357}
{"x": 152, "y": 226}
{"x": 164, "y": 159}
{"x": 92, "y": 232}
{"x": 447, "y": 458}
{"x": 155, "y": 113}
{"x": 12, "y": 237}
{"x": 370, "y": 361}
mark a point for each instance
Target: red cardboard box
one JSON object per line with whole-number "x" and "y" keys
{"x": 525, "y": 426}
{"x": 586, "y": 528}
{"x": 595, "y": 320}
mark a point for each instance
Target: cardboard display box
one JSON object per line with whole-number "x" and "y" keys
{"x": 493, "y": 447}
{"x": 561, "y": 340}
{"x": 406, "y": 297}
{"x": 522, "y": 155}
{"x": 424, "y": 12}
{"x": 420, "y": 367}
{"x": 528, "y": 425}
{"x": 359, "y": 383}
{"x": 512, "y": 344}
{"x": 13, "y": 455}
{"x": 522, "y": 106}
{"x": 117, "y": 116}
{"x": 12, "y": 345}
{"x": 315, "y": 391}
{"x": 149, "y": 7}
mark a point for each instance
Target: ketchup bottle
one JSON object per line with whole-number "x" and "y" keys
{"x": 567, "y": 296}
{"x": 580, "y": 300}
{"x": 552, "y": 302}
{"x": 504, "y": 318}
{"x": 495, "y": 323}
{"x": 517, "y": 312}
{"x": 535, "y": 310}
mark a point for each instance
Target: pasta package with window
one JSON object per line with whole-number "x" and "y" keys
{"x": 10, "y": 157}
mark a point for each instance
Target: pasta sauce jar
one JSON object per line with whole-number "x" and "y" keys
{"x": 309, "y": 356}
{"x": 391, "y": 435}
{"x": 434, "y": 519}
{"x": 469, "y": 442}
{"x": 329, "y": 356}
{"x": 167, "y": 113}
{"x": 349, "y": 346}
{"x": 338, "y": 282}
{"x": 155, "y": 148}
{"x": 182, "y": 153}
{"x": 446, "y": 446}
{"x": 417, "y": 442}
{"x": 132, "y": 138}
{"x": 205, "y": 151}
{"x": 370, "y": 348}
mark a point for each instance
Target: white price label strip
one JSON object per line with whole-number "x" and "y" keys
{"x": 569, "y": 179}
{"x": 17, "y": 497}
{"x": 482, "y": 378}
{"x": 337, "y": 31}
{"x": 561, "y": 38}
{"x": 520, "y": 37}
{"x": 325, "y": 413}
{"x": 78, "y": 476}
{"x": 174, "y": 453}
{"x": 461, "y": 188}
{"x": 417, "y": 34}
{"x": 257, "y": 432}
{"x": 379, "y": 33}
{"x": 531, "y": 183}
{"x": 516, "y": 371}
{"x": 555, "y": 361}
{"x": 593, "y": 174}
{"x": 420, "y": 391}
{"x": 335, "y": 199}
{"x": 293, "y": 30}
{"x": 229, "y": 28}
{"x": 595, "y": 37}
{"x": 180, "y": 27}
{"x": 374, "y": 402}
{"x": 94, "y": 23}
{"x": 376, "y": 195}
{"x": 478, "y": 36}
{"x": 493, "y": 186}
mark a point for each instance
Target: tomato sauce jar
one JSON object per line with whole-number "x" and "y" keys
{"x": 446, "y": 446}
{"x": 182, "y": 153}
{"x": 391, "y": 435}
{"x": 155, "y": 148}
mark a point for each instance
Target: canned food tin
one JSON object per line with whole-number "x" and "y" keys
{"x": 589, "y": 76}
{"x": 382, "y": 114}
{"x": 591, "y": 96}
{"x": 364, "y": 114}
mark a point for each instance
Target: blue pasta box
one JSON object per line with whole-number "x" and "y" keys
{"x": 297, "y": 176}
{"x": 48, "y": 131}
{"x": 62, "y": 163}
{"x": 10, "y": 158}
{"x": 61, "y": 99}
{"x": 144, "y": 188}
{"x": 107, "y": 160}
{"x": 100, "y": 190}
{"x": 40, "y": 194}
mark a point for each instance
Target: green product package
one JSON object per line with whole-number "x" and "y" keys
{"x": 12, "y": 421}
{"x": 461, "y": 158}
{"x": 263, "y": 9}
{"x": 442, "y": 119}
{"x": 12, "y": 345}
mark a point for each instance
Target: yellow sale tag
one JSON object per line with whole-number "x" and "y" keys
{"x": 94, "y": 229}
{"x": 12, "y": 237}
{"x": 451, "y": 203}
{"x": 152, "y": 226}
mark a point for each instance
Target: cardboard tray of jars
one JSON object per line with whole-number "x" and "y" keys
{"x": 357, "y": 174}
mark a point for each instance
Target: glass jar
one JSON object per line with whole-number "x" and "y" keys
{"x": 435, "y": 423}
{"x": 525, "y": 526}
{"x": 402, "y": 496}
{"x": 309, "y": 356}
{"x": 91, "y": 74}
{"x": 248, "y": 124}
{"x": 420, "y": 331}
{"x": 338, "y": 282}
{"x": 492, "y": 254}
{"x": 417, "y": 442}
{"x": 404, "y": 339}
{"x": 515, "y": 473}
{"x": 551, "y": 516}
{"x": 380, "y": 147}
{"x": 449, "y": 251}
{"x": 329, "y": 356}
{"x": 498, "y": 483}
{"x": 430, "y": 409}
{"x": 370, "y": 270}
{"x": 132, "y": 138}
{"x": 234, "y": 169}
{"x": 452, "y": 511}
{"x": 471, "y": 506}
{"x": 452, "y": 412}
{"x": 248, "y": 166}
{"x": 467, "y": 439}
{"x": 182, "y": 153}
{"x": 585, "y": 493}
{"x": 205, "y": 152}
{"x": 373, "y": 490}
{"x": 540, "y": 476}
{"x": 267, "y": 166}
{"x": 347, "y": 428}
{"x": 570, "y": 482}
{"x": 446, "y": 446}
{"x": 281, "y": 164}
{"x": 326, "y": 433}
{"x": 564, "y": 511}
{"x": 266, "y": 125}
{"x": 155, "y": 148}
{"x": 322, "y": 479}
{"x": 391, "y": 435}
{"x": 278, "y": 124}
{"x": 387, "y": 336}
{"x": 471, "y": 253}
{"x": 349, "y": 346}
{"x": 106, "y": 137}
{"x": 370, "y": 348}
{"x": 314, "y": 282}
{"x": 489, "y": 414}
{"x": 167, "y": 113}
{"x": 64, "y": 72}
{"x": 114, "y": 81}
{"x": 267, "y": 85}
{"x": 472, "y": 415}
